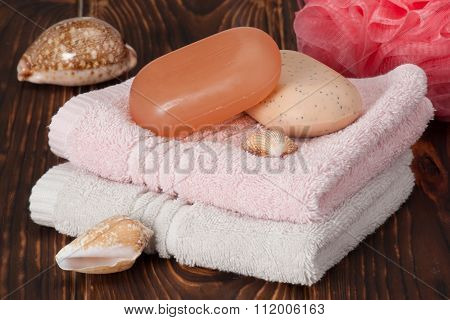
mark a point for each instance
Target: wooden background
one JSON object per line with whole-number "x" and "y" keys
{"x": 416, "y": 237}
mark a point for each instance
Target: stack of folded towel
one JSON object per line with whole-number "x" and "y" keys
{"x": 290, "y": 220}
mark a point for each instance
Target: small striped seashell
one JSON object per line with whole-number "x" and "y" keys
{"x": 111, "y": 246}
{"x": 78, "y": 51}
{"x": 269, "y": 143}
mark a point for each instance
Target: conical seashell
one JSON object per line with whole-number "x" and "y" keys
{"x": 78, "y": 51}
{"x": 111, "y": 246}
{"x": 269, "y": 143}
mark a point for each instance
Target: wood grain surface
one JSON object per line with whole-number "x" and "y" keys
{"x": 406, "y": 258}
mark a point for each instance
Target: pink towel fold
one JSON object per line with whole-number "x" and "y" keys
{"x": 94, "y": 131}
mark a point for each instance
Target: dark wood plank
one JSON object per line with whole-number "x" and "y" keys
{"x": 416, "y": 238}
{"x": 27, "y": 249}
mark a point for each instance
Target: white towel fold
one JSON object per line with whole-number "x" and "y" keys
{"x": 72, "y": 200}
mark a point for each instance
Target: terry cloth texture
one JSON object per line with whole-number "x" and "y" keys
{"x": 73, "y": 200}
{"x": 94, "y": 131}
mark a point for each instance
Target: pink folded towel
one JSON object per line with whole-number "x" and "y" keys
{"x": 94, "y": 131}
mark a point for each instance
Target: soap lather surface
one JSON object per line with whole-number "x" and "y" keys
{"x": 206, "y": 82}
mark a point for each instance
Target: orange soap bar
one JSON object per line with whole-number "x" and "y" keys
{"x": 206, "y": 82}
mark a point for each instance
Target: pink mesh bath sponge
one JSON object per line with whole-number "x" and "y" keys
{"x": 361, "y": 38}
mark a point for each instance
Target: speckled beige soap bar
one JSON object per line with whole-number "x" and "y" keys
{"x": 311, "y": 99}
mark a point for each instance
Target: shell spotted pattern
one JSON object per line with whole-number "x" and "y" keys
{"x": 76, "y": 44}
{"x": 113, "y": 245}
{"x": 118, "y": 230}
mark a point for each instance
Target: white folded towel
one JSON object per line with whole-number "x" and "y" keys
{"x": 72, "y": 200}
